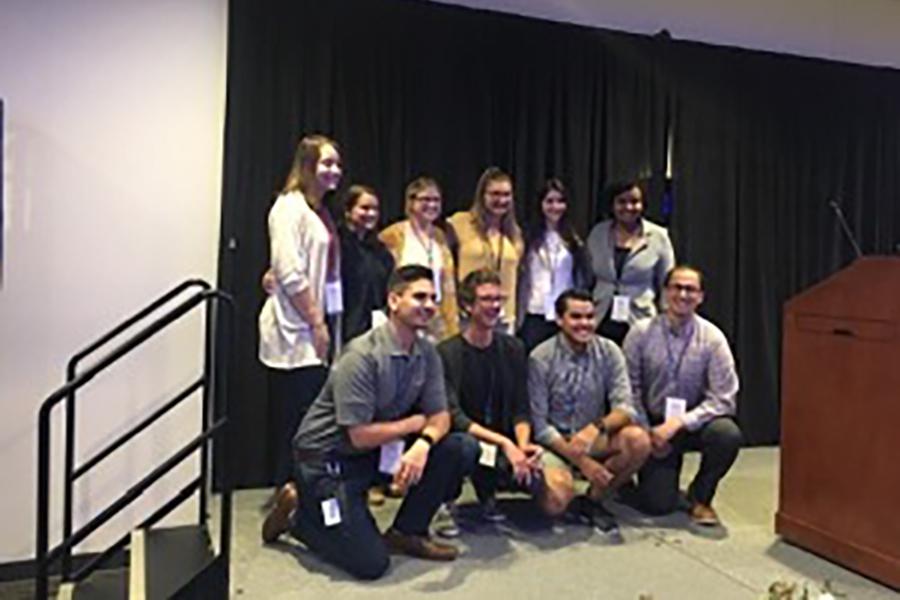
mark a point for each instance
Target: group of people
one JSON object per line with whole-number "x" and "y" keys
{"x": 467, "y": 349}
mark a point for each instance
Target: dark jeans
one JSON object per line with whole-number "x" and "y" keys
{"x": 535, "y": 329}
{"x": 718, "y": 443}
{"x": 355, "y": 544}
{"x": 291, "y": 393}
{"x": 487, "y": 481}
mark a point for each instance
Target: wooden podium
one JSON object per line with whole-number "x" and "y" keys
{"x": 840, "y": 419}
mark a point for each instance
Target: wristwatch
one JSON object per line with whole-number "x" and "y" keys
{"x": 427, "y": 438}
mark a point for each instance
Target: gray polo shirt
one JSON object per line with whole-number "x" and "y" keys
{"x": 568, "y": 389}
{"x": 374, "y": 381}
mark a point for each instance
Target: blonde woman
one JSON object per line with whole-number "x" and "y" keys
{"x": 418, "y": 240}
{"x": 304, "y": 260}
{"x": 487, "y": 236}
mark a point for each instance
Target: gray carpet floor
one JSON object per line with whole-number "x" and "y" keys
{"x": 530, "y": 557}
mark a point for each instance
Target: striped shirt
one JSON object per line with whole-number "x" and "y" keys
{"x": 694, "y": 363}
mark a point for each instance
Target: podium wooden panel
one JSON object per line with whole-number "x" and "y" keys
{"x": 840, "y": 419}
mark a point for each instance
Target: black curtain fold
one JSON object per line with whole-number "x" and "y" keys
{"x": 761, "y": 142}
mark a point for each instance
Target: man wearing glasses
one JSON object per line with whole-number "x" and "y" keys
{"x": 485, "y": 377}
{"x": 683, "y": 377}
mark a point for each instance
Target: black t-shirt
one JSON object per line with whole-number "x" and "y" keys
{"x": 486, "y": 385}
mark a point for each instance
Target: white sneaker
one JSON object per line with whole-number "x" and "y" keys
{"x": 445, "y": 521}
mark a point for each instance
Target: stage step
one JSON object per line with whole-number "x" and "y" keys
{"x": 109, "y": 584}
{"x": 171, "y": 563}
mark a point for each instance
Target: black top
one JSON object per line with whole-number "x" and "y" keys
{"x": 486, "y": 385}
{"x": 365, "y": 267}
{"x": 620, "y": 256}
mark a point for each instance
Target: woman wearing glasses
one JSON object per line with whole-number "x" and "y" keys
{"x": 419, "y": 240}
{"x": 487, "y": 236}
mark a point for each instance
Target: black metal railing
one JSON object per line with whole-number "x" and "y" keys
{"x": 213, "y": 397}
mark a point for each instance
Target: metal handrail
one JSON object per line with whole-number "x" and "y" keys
{"x": 71, "y": 371}
{"x": 44, "y": 557}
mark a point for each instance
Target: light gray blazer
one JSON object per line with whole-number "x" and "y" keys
{"x": 643, "y": 272}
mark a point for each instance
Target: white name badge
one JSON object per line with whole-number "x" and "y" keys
{"x": 436, "y": 273}
{"x": 389, "y": 461}
{"x": 675, "y": 407}
{"x": 488, "y": 455}
{"x": 621, "y": 308}
{"x": 550, "y": 307}
{"x": 378, "y": 318}
{"x": 334, "y": 299}
{"x": 331, "y": 512}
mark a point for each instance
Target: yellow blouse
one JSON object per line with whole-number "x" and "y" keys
{"x": 500, "y": 253}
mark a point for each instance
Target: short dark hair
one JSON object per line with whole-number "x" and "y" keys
{"x": 562, "y": 301}
{"x": 614, "y": 189}
{"x": 466, "y": 291}
{"x": 403, "y": 276}
{"x": 683, "y": 267}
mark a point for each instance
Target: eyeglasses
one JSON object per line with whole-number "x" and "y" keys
{"x": 687, "y": 289}
{"x": 491, "y": 299}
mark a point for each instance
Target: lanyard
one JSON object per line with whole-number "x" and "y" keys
{"x": 495, "y": 258}
{"x": 674, "y": 367}
{"x": 429, "y": 248}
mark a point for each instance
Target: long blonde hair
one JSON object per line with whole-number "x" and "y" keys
{"x": 308, "y": 152}
{"x": 508, "y": 224}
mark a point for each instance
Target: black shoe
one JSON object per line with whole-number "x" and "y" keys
{"x": 596, "y": 515}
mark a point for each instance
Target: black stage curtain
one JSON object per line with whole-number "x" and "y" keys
{"x": 760, "y": 142}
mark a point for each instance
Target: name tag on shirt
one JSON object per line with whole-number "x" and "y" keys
{"x": 389, "y": 461}
{"x": 488, "y": 455}
{"x": 550, "y": 306}
{"x": 621, "y": 308}
{"x": 331, "y": 512}
{"x": 675, "y": 407}
{"x": 334, "y": 299}
{"x": 378, "y": 318}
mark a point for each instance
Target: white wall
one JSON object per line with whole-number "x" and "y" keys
{"x": 113, "y": 150}
{"x": 862, "y": 31}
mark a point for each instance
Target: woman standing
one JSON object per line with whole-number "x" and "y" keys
{"x": 630, "y": 257}
{"x": 418, "y": 240}
{"x": 556, "y": 260}
{"x": 365, "y": 262}
{"x": 304, "y": 259}
{"x": 488, "y": 237}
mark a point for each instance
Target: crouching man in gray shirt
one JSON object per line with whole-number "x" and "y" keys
{"x": 582, "y": 412}
{"x": 386, "y": 388}
{"x": 684, "y": 379}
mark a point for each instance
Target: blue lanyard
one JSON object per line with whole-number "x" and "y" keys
{"x": 673, "y": 366}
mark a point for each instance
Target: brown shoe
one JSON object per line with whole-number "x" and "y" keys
{"x": 376, "y": 496}
{"x": 419, "y": 546}
{"x": 703, "y": 514}
{"x": 279, "y": 518}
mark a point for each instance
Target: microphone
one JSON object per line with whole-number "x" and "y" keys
{"x": 846, "y": 228}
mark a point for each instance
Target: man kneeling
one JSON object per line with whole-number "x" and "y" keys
{"x": 486, "y": 373}
{"x": 387, "y": 387}
{"x": 582, "y": 411}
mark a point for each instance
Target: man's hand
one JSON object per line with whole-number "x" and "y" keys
{"x": 533, "y": 452}
{"x": 662, "y": 434}
{"x": 321, "y": 339}
{"x": 519, "y": 462}
{"x": 582, "y": 442}
{"x": 269, "y": 283}
{"x": 412, "y": 465}
{"x": 597, "y": 474}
